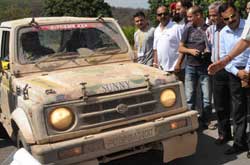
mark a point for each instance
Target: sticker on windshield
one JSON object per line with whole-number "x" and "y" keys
{"x": 71, "y": 26}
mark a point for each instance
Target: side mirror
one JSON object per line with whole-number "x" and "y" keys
{"x": 5, "y": 65}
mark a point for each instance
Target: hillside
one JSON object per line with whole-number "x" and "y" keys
{"x": 125, "y": 15}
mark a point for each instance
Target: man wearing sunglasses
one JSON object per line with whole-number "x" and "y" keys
{"x": 229, "y": 36}
{"x": 166, "y": 40}
{"x": 163, "y": 19}
{"x": 241, "y": 46}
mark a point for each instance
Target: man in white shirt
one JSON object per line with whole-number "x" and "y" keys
{"x": 163, "y": 18}
{"x": 166, "y": 41}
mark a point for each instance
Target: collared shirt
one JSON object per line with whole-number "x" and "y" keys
{"x": 158, "y": 32}
{"x": 213, "y": 33}
{"x": 196, "y": 38}
{"x": 228, "y": 39}
{"x": 167, "y": 46}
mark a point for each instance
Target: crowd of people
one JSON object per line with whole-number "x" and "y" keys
{"x": 210, "y": 57}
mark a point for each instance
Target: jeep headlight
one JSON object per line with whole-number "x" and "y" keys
{"x": 168, "y": 97}
{"x": 61, "y": 119}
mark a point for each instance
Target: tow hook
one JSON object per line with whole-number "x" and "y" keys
{"x": 147, "y": 80}
{"x": 84, "y": 91}
{"x": 26, "y": 92}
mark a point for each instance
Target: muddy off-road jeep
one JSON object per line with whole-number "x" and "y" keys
{"x": 70, "y": 93}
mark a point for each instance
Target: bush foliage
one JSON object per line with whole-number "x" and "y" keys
{"x": 79, "y": 8}
{"x": 15, "y": 9}
{"x": 129, "y": 33}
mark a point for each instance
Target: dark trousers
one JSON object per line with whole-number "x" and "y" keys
{"x": 222, "y": 102}
{"x": 248, "y": 119}
{"x": 239, "y": 110}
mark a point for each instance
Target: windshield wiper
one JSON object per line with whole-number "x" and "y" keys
{"x": 112, "y": 51}
{"x": 53, "y": 55}
{"x": 97, "y": 60}
{"x": 101, "y": 20}
{"x": 84, "y": 52}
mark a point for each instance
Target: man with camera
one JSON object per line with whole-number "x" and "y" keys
{"x": 194, "y": 45}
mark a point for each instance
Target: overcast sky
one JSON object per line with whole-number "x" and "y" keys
{"x": 129, "y": 3}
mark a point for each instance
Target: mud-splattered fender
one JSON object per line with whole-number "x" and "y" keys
{"x": 20, "y": 118}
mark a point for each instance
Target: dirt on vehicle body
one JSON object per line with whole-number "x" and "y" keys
{"x": 70, "y": 93}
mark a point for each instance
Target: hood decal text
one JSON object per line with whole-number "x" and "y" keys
{"x": 117, "y": 86}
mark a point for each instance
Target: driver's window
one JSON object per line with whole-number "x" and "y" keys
{"x": 5, "y": 46}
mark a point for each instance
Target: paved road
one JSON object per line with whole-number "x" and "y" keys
{"x": 207, "y": 154}
{"x": 6, "y": 147}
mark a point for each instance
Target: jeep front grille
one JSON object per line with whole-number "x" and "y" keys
{"x": 104, "y": 112}
{"x": 101, "y": 113}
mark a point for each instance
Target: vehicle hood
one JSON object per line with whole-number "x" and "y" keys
{"x": 74, "y": 84}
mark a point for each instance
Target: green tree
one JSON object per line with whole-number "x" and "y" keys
{"x": 80, "y": 8}
{"x": 15, "y": 9}
{"x": 14, "y": 12}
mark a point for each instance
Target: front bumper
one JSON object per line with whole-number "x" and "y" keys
{"x": 98, "y": 145}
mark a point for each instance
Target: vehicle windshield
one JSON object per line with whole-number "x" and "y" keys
{"x": 66, "y": 41}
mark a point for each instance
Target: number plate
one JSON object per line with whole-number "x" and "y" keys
{"x": 128, "y": 137}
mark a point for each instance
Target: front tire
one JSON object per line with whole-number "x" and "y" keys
{"x": 3, "y": 133}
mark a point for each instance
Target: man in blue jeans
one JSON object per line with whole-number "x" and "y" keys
{"x": 194, "y": 45}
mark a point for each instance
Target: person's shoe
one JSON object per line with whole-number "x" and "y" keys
{"x": 235, "y": 150}
{"x": 222, "y": 140}
{"x": 248, "y": 154}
